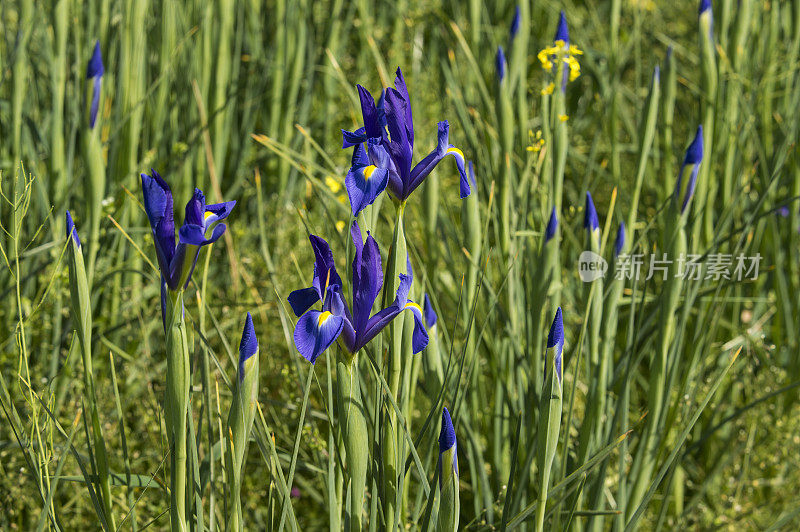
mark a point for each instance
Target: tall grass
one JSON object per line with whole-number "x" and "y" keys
{"x": 676, "y": 405}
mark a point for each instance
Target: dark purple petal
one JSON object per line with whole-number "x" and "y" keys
{"x": 399, "y": 147}
{"x": 353, "y": 138}
{"x": 400, "y": 85}
{"x": 158, "y": 206}
{"x": 367, "y": 283}
{"x": 369, "y": 112}
{"x": 447, "y": 435}
{"x": 324, "y": 268}
{"x": 195, "y": 209}
{"x": 419, "y": 338}
{"x": 376, "y": 324}
{"x": 191, "y": 234}
{"x": 301, "y": 300}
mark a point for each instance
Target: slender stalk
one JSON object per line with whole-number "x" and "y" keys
{"x": 177, "y": 406}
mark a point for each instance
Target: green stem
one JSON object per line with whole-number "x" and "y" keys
{"x": 177, "y": 406}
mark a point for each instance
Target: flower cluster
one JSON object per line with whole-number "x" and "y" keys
{"x": 177, "y": 262}
{"x": 384, "y": 149}
{"x": 316, "y": 330}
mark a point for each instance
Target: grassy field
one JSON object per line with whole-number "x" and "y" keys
{"x": 667, "y": 401}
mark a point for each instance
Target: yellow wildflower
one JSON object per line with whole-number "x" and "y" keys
{"x": 536, "y": 141}
{"x": 333, "y": 184}
{"x": 551, "y": 55}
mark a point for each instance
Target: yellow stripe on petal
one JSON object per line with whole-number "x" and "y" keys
{"x": 324, "y": 317}
{"x": 412, "y": 305}
{"x": 207, "y": 215}
{"x": 455, "y": 151}
{"x": 368, "y": 170}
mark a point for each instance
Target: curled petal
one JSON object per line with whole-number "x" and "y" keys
{"x": 353, "y": 138}
{"x": 419, "y": 338}
{"x": 218, "y": 211}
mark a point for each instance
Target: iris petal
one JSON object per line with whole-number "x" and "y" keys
{"x": 369, "y": 282}
{"x": 353, "y": 138}
{"x": 364, "y": 182}
{"x": 315, "y": 332}
{"x": 369, "y": 112}
{"x": 301, "y": 300}
{"x": 158, "y": 206}
{"x": 419, "y": 338}
{"x": 324, "y": 268}
{"x": 218, "y": 211}
{"x": 195, "y": 209}
{"x": 400, "y": 85}
{"x": 194, "y": 235}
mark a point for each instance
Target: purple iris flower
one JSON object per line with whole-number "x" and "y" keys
{"x": 177, "y": 262}
{"x": 317, "y": 330}
{"x": 95, "y": 71}
{"x": 384, "y": 159}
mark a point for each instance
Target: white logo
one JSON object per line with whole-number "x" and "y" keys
{"x": 591, "y": 266}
